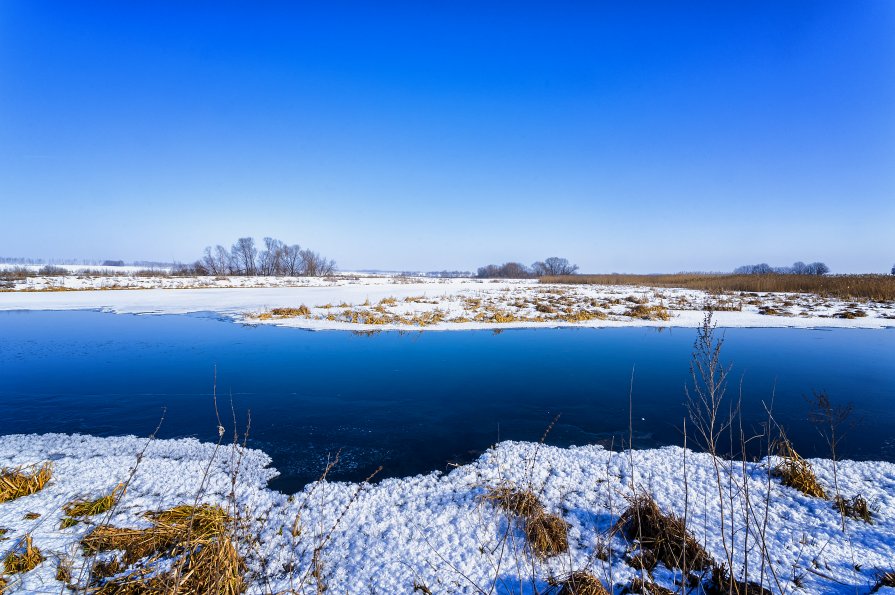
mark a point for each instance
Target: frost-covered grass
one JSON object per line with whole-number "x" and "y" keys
{"x": 443, "y": 532}
{"x": 368, "y": 303}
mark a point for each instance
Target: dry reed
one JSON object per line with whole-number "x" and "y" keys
{"x": 23, "y": 481}
{"x": 846, "y": 287}
{"x": 796, "y": 472}
{"x": 665, "y": 535}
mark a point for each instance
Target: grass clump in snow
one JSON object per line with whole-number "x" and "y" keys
{"x": 519, "y": 503}
{"x": 546, "y": 534}
{"x": 886, "y": 579}
{"x": 78, "y": 509}
{"x": 286, "y": 313}
{"x": 656, "y": 312}
{"x": 582, "y": 582}
{"x": 22, "y": 558}
{"x": 23, "y": 481}
{"x": 665, "y": 535}
{"x": 855, "y": 507}
{"x": 796, "y": 472}
{"x": 187, "y": 550}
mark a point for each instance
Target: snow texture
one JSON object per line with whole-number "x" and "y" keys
{"x": 436, "y": 530}
{"x": 368, "y": 303}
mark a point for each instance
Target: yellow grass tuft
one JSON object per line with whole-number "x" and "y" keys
{"x": 665, "y": 535}
{"x": 657, "y": 312}
{"x": 194, "y": 537}
{"x": 547, "y": 534}
{"x": 83, "y": 508}
{"x": 23, "y": 558}
{"x": 23, "y": 481}
{"x": 796, "y": 472}
{"x": 582, "y": 582}
{"x": 520, "y": 503}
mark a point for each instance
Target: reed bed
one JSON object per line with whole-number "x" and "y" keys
{"x": 880, "y": 288}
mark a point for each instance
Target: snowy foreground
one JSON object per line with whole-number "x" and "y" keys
{"x": 367, "y": 303}
{"x": 435, "y": 530}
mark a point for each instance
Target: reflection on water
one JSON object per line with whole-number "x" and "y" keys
{"x": 415, "y": 402}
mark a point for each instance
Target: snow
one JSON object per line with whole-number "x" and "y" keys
{"x": 461, "y": 304}
{"x": 435, "y": 529}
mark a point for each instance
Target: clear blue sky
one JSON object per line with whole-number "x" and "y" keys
{"x": 626, "y": 136}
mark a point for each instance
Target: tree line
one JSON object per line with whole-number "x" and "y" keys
{"x": 549, "y": 267}
{"x": 274, "y": 259}
{"x": 797, "y": 268}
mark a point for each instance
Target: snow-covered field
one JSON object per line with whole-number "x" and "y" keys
{"x": 436, "y": 530}
{"x": 382, "y": 303}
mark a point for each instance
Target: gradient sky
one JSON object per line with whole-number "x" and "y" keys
{"x": 626, "y": 136}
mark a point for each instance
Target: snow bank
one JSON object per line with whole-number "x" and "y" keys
{"x": 396, "y": 303}
{"x": 435, "y": 530}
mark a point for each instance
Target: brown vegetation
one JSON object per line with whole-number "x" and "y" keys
{"x": 665, "y": 535}
{"x": 796, "y": 472}
{"x": 23, "y": 481}
{"x": 23, "y": 558}
{"x": 195, "y": 537}
{"x": 582, "y": 583}
{"x": 846, "y": 287}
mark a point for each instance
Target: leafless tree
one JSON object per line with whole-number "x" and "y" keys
{"x": 270, "y": 260}
{"x": 292, "y": 262}
{"x": 554, "y": 266}
{"x": 244, "y": 254}
{"x": 314, "y": 265}
{"x": 217, "y": 261}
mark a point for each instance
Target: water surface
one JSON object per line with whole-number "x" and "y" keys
{"x": 415, "y": 402}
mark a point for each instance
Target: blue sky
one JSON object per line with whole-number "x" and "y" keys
{"x": 626, "y": 136}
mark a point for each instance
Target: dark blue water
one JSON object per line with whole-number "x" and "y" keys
{"x": 419, "y": 401}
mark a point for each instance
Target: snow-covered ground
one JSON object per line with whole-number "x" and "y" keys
{"x": 355, "y": 302}
{"x": 436, "y": 530}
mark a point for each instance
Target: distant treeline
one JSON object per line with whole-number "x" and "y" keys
{"x": 274, "y": 259}
{"x": 797, "y": 268}
{"x": 516, "y": 270}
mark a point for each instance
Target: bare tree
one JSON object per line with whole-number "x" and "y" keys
{"x": 244, "y": 254}
{"x": 539, "y": 269}
{"x": 559, "y": 266}
{"x": 217, "y": 261}
{"x": 314, "y": 265}
{"x": 291, "y": 261}
{"x": 270, "y": 260}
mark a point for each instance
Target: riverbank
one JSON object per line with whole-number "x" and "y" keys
{"x": 443, "y": 531}
{"x": 400, "y": 303}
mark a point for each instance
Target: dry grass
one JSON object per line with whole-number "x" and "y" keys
{"x": 23, "y": 481}
{"x": 547, "y": 534}
{"x": 724, "y": 584}
{"x": 886, "y": 579}
{"x": 855, "y": 507}
{"x": 85, "y": 508}
{"x": 194, "y": 537}
{"x": 665, "y": 535}
{"x": 582, "y": 583}
{"x": 796, "y": 472}
{"x": 657, "y": 312}
{"x": 285, "y": 313}
{"x": 519, "y": 503}
{"x": 646, "y": 587}
{"x": 23, "y": 558}
{"x": 846, "y": 287}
